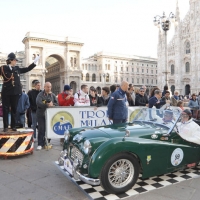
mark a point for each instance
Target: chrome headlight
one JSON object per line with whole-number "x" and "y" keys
{"x": 63, "y": 155}
{"x": 78, "y": 137}
{"x": 87, "y": 146}
{"x": 66, "y": 135}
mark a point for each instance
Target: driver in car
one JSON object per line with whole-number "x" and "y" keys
{"x": 187, "y": 128}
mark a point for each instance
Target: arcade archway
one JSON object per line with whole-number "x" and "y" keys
{"x": 60, "y": 59}
{"x": 52, "y": 73}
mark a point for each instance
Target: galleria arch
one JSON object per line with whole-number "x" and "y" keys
{"x": 60, "y": 60}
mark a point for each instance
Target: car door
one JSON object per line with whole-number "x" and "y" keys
{"x": 182, "y": 153}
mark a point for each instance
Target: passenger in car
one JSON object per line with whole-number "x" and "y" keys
{"x": 187, "y": 128}
{"x": 167, "y": 118}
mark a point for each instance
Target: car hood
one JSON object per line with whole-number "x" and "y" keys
{"x": 134, "y": 129}
{"x": 113, "y": 131}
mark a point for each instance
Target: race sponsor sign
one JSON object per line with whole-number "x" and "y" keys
{"x": 60, "y": 119}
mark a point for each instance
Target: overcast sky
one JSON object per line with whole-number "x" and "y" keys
{"x": 118, "y": 26}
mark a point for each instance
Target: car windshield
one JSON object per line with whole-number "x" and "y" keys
{"x": 167, "y": 117}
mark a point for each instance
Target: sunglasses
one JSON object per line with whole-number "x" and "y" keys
{"x": 167, "y": 115}
{"x": 184, "y": 116}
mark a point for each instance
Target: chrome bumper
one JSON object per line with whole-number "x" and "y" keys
{"x": 90, "y": 181}
{"x": 77, "y": 175}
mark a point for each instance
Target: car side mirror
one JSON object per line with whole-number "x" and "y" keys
{"x": 127, "y": 134}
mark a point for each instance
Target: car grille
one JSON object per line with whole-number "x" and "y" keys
{"x": 75, "y": 153}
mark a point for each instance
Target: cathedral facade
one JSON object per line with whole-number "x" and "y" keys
{"x": 183, "y": 53}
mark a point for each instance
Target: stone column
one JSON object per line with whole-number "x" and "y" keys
{"x": 79, "y": 60}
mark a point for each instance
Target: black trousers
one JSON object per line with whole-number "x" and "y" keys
{"x": 41, "y": 130}
{"x": 119, "y": 121}
{"x": 9, "y": 101}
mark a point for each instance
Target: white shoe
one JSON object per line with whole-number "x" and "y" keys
{"x": 35, "y": 139}
{"x": 39, "y": 147}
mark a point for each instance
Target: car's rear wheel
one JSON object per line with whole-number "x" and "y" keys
{"x": 120, "y": 173}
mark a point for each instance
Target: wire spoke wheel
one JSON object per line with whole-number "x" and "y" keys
{"x": 121, "y": 173}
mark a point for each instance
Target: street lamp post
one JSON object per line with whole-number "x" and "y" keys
{"x": 165, "y": 23}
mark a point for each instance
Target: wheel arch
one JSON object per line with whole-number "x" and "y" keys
{"x": 109, "y": 149}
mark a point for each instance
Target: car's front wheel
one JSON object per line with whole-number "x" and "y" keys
{"x": 120, "y": 173}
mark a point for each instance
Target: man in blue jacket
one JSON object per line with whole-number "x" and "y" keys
{"x": 156, "y": 100}
{"x": 117, "y": 105}
{"x": 23, "y": 105}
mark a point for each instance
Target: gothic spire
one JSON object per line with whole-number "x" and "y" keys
{"x": 177, "y": 12}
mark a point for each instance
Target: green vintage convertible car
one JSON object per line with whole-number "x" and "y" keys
{"x": 113, "y": 156}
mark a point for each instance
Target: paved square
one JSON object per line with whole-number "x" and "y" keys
{"x": 141, "y": 186}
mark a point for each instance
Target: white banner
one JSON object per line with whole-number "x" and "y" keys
{"x": 60, "y": 119}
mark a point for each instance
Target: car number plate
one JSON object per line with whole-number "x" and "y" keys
{"x": 68, "y": 166}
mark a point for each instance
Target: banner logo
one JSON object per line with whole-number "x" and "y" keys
{"x": 61, "y": 122}
{"x": 133, "y": 114}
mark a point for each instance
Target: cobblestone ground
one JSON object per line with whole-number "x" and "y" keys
{"x": 35, "y": 177}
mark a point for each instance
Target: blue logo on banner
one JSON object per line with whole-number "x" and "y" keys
{"x": 61, "y": 126}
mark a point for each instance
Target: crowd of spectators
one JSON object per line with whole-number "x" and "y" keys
{"x": 116, "y": 97}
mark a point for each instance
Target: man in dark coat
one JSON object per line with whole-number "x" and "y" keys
{"x": 11, "y": 88}
{"x": 32, "y": 94}
{"x": 141, "y": 99}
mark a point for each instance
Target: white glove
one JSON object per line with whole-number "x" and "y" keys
{"x": 37, "y": 58}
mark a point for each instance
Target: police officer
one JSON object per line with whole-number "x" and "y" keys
{"x": 12, "y": 87}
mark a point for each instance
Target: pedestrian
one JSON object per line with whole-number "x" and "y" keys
{"x": 136, "y": 91}
{"x": 117, "y": 86}
{"x": 81, "y": 98}
{"x": 141, "y": 99}
{"x": 164, "y": 90}
{"x": 156, "y": 100}
{"x": 152, "y": 91}
{"x": 180, "y": 106}
{"x": 66, "y": 97}
{"x": 22, "y": 106}
{"x": 193, "y": 104}
{"x": 45, "y": 99}
{"x": 94, "y": 99}
{"x": 117, "y": 108}
{"x": 129, "y": 99}
{"x": 166, "y": 96}
{"x": 33, "y": 106}
{"x": 175, "y": 98}
{"x": 132, "y": 93}
{"x": 112, "y": 89}
{"x": 145, "y": 89}
{"x": 11, "y": 88}
{"x": 105, "y": 96}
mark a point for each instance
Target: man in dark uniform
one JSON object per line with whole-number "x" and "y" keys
{"x": 11, "y": 88}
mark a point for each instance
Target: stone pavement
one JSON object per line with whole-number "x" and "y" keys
{"x": 35, "y": 177}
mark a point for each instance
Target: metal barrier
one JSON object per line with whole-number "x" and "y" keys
{"x": 16, "y": 143}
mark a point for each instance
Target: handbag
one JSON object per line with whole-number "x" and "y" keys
{"x": 1, "y": 111}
